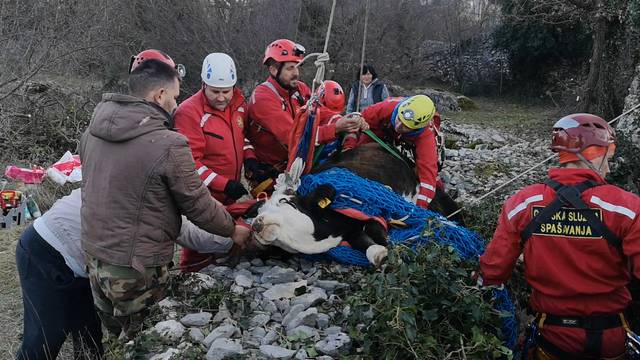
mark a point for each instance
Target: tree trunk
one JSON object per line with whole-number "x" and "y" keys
{"x": 596, "y": 66}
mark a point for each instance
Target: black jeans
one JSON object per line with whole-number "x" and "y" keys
{"x": 56, "y": 303}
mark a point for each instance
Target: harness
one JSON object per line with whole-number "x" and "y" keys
{"x": 593, "y": 325}
{"x": 569, "y": 196}
{"x": 283, "y": 104}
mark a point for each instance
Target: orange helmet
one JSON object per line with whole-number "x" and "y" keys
{"x": 331, "y": 95}
{"x": 283, "y": 50}
{"x": 149, "y": 54}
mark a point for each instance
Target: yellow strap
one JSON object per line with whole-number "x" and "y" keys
{"x": 625, "y": 325}
{"x": 261, "y": 187}
{"x": 543, "y": 317}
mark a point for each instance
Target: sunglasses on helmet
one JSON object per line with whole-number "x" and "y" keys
{"x": 180, "y": 68}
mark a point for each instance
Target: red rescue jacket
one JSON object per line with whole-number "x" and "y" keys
{"x": 571, "y": 273}
{"x": 272, "y": 110}
{"x": 378, "y": 116}
{"x": 216, "y": 138}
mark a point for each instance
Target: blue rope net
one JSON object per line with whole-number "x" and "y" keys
{"x": 422, "y": 227}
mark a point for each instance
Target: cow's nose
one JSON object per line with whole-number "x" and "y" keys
{"x": 257, "y": 225}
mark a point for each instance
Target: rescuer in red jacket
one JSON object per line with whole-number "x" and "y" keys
{"x": 410, "y": 123}
{"x": 581, "y": 239}
{"x": 214, "y": 120}
{"x": 273, "y": 106}
{"x": 328, "y": 126}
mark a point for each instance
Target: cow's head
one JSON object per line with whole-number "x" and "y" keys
{"x": 292, "y": 222}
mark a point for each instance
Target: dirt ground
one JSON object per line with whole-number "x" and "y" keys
{"x": 10, "y": 297}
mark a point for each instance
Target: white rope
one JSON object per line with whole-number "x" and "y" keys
{"x": 364, "y": 47}
{"x": 531, "y": 169}
{"x": 323, "y": 57}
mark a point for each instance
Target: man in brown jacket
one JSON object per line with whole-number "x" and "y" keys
{"x": 138, "y": 178}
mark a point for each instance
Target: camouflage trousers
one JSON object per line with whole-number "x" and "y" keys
{"x": 122, "y": 295}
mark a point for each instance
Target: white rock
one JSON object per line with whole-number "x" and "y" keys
{"x": 292, "y": 313}
{"x": 303, "y": 332}
{"x": 166, "y": 355}
{"x": 169, "y": 330}
{"x": 276, "y": 352}
{"x": 197, "y": 283}
{"x": 196, "y": 319}
{"x": 224, "y": 348}
{"x": 221, "y": 315}
{"x": 307, "y": 317}
{"x": 278, "y": 275}
{"x": 283, "y": 305}
{"x": 196, "y": 335}
{"x": 333, "y": 330}
{"x": 167, "y": 304}
{"x": 221, "y": 332}
{"x": 270, "y": 338}
{"x": 244, "y": 281}
{"x": 257, "y": 262}
{"x": 243, "y": 265}
{"x": 330, "y": 285}
{"x": 286, "y": 290}
{"x": 237, "y": 289}
{"x": 322, "y": 321}
{"x": 301, "y": 355}
{"x": 268, "y": 306}
{"x": 315, "y": 297}
{"x": 258, "y": 333}
{"x": 334, "y": 344}
{"x": 259, "y": 320}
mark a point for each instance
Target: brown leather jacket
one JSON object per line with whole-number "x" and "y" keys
{"x": 138, "y": 177}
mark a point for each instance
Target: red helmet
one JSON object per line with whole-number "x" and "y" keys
{"x": 331, "y": 95}
{"x": 576, "y": 132}
{"x": 149, "y": 54}
{"x": 283, "y": 50}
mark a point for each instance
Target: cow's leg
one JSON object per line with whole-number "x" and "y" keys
{"x": 445, "y": 205}
{"x": 372, "y": 241}
{"x": 376, "y": 232}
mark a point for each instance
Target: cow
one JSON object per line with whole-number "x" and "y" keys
{"x": 304, "y": 224}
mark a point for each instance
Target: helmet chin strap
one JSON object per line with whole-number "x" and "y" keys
{"x": 590, "y": 164}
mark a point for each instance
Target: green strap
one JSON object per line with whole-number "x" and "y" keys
{"x": 386, "y": 146}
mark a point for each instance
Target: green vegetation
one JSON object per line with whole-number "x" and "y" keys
{"x": 424, "y": 305}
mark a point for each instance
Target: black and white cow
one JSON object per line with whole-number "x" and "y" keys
{"x": 304, "y": 225}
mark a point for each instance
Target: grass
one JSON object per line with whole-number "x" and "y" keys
{"x": 517, "y": 117}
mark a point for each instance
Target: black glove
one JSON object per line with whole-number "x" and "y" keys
{"x": 257, "y": 171}
{"x": 235, "y": 190}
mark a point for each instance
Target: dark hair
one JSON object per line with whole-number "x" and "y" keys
{"x": 367, "y": 69}
{"x": 150, "y": 75}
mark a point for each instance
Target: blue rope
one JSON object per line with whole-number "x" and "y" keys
{"x": 423, "y": 226}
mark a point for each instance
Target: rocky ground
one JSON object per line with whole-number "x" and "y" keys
{"x": 479, "y": 159}
{"x": 265, "y": 310}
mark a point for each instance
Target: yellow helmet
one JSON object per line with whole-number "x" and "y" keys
{"x": 416, "y": 112}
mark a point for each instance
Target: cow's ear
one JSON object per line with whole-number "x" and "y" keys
{"x": 252, "y": 211}
{"x": 323, "y": 195}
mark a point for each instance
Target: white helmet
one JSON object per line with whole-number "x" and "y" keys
{"x": 219, "y": 70}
